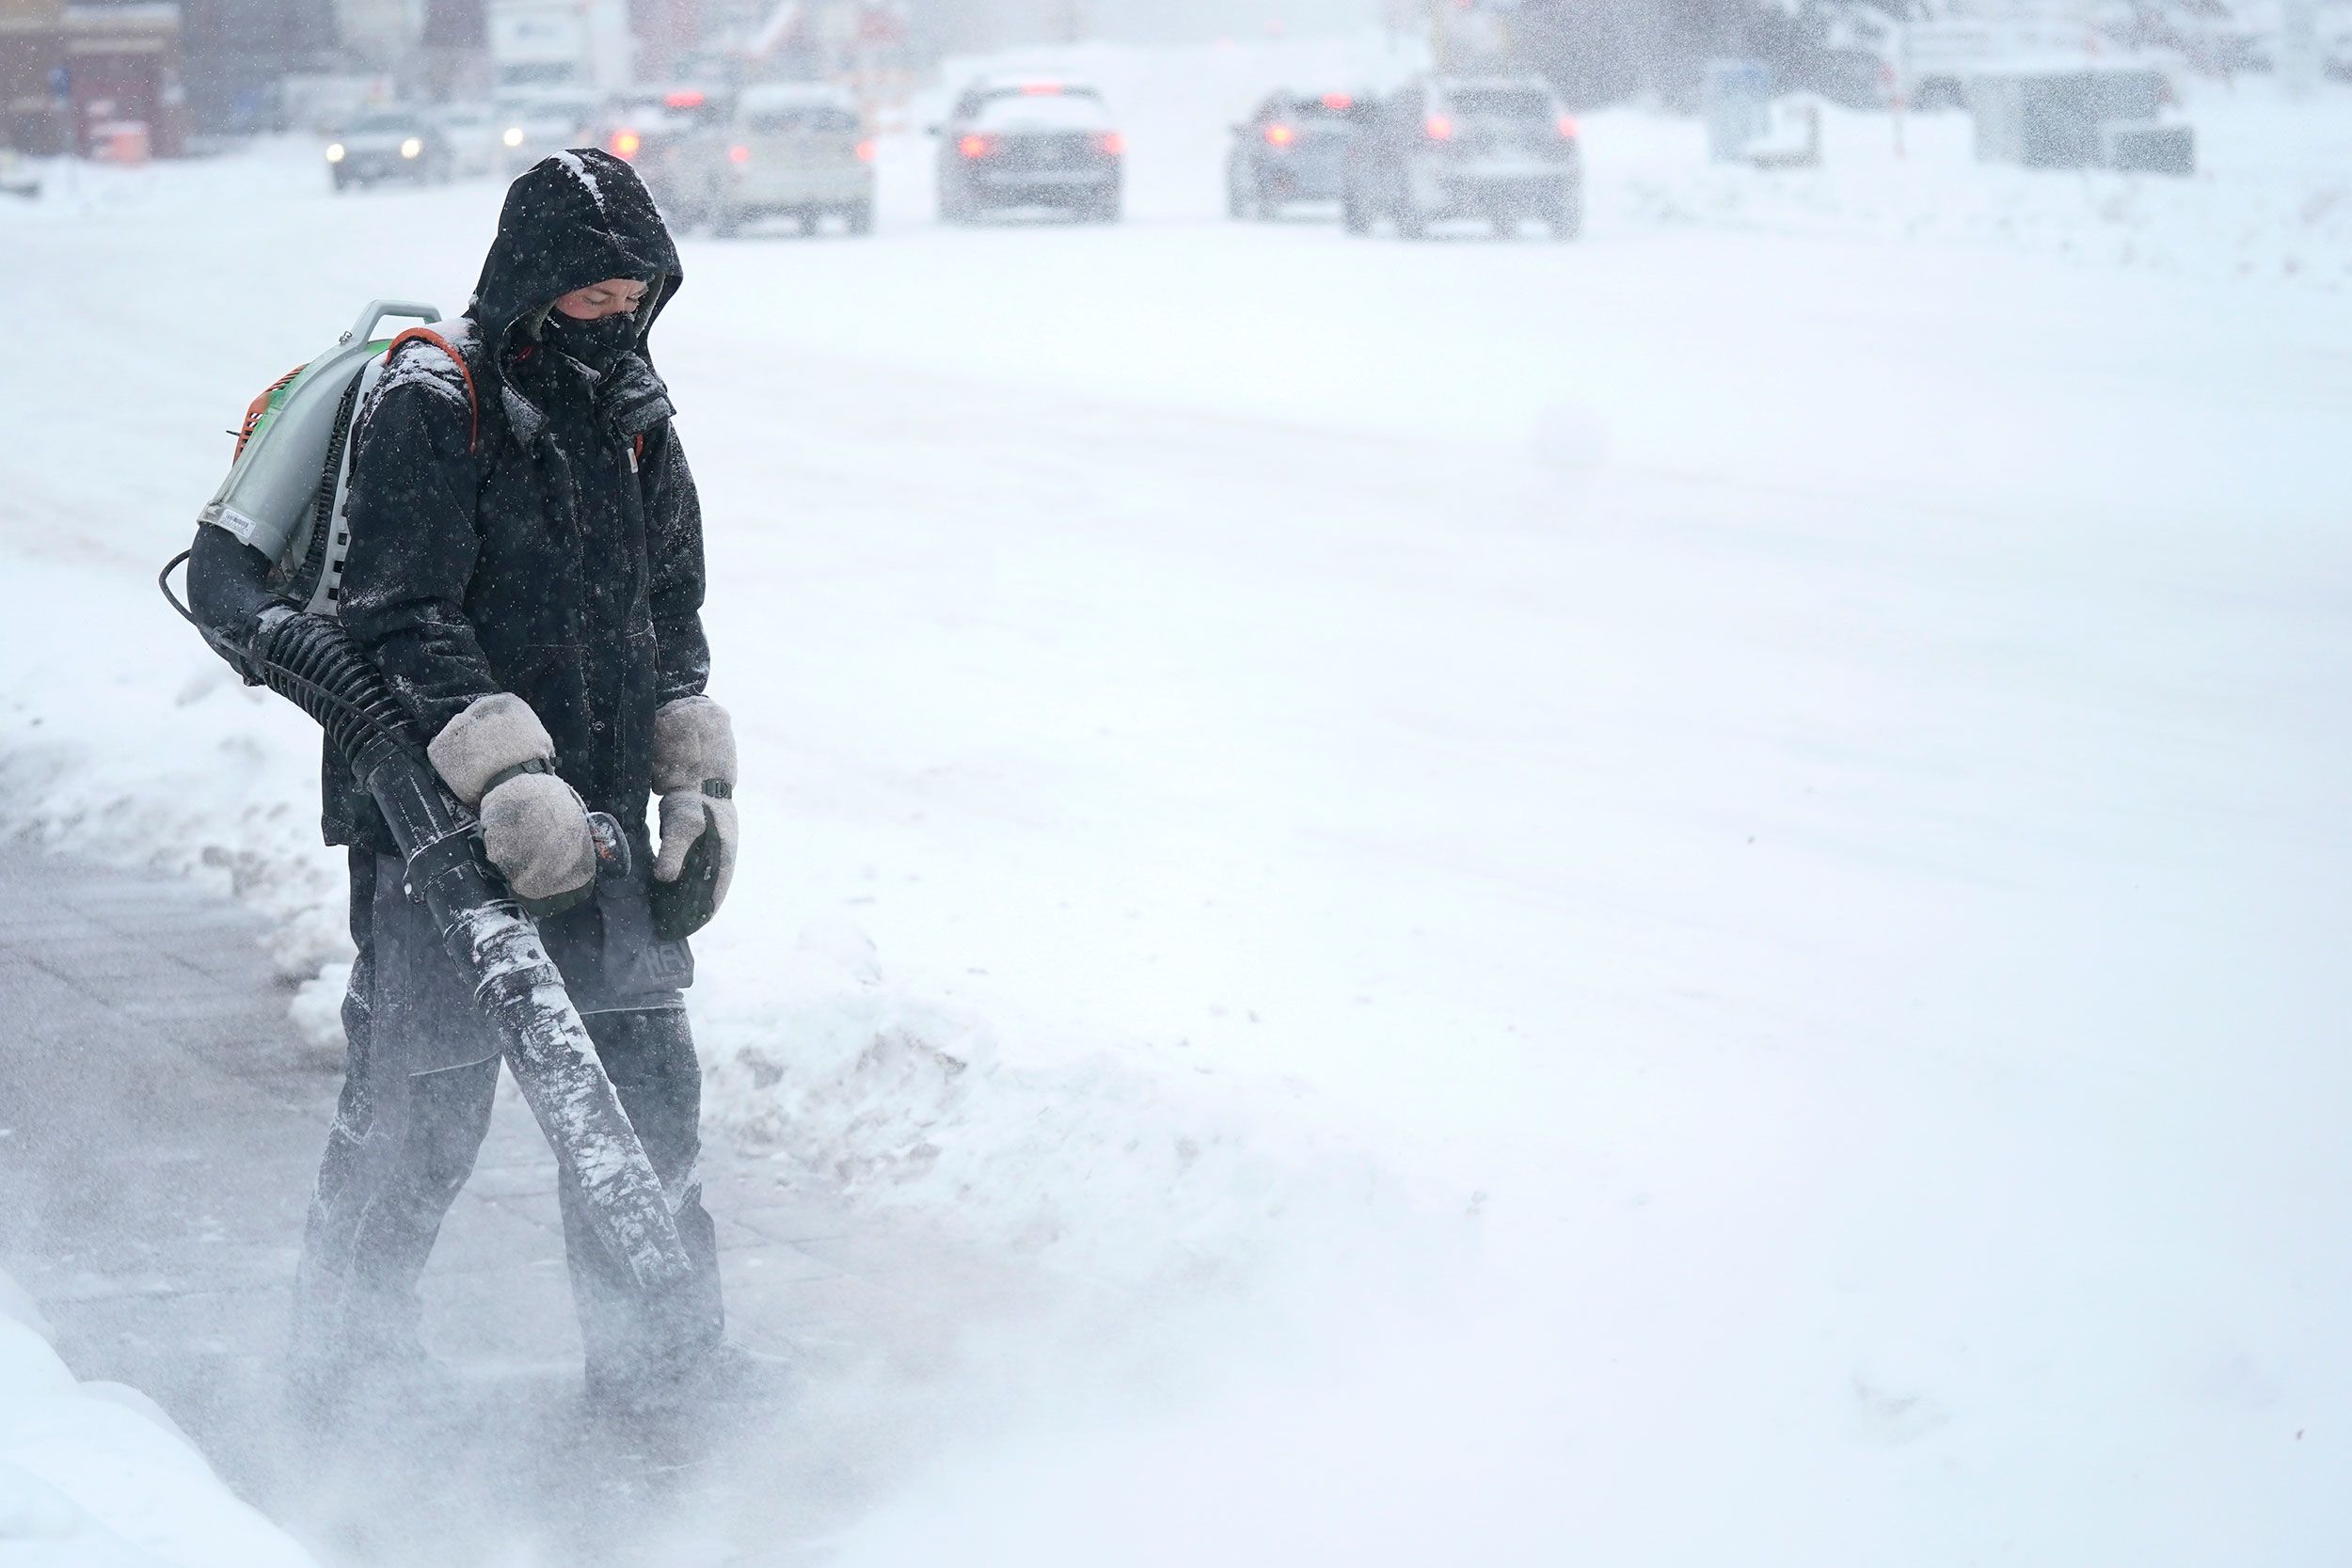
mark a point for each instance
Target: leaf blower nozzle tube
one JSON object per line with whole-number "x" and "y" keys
{"x": 313, "y": 663}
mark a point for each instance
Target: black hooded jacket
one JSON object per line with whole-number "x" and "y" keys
{"x": 503, "y": 537}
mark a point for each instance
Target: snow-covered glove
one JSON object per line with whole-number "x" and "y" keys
{"x": 693, "y": 767}
{"x": 497, "y": 757}
{"x": 631, "y": 397}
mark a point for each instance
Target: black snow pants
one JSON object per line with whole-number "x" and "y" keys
{"x": 404, "y": 1144}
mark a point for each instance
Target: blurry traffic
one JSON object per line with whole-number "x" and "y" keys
{"x": 1495, "y": 149}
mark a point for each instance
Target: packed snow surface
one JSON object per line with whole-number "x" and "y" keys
{"x": 92, "y": 1475}
{"x": 1674, "y": 899}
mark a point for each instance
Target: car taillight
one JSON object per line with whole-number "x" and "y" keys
{"x": 1568, "y": 127}
{"x": 1338, "y": 102}
{"x": 865, "y": 151}
{"x": 1040, "y": 89}
{"x": 688, "y": 98}
{"x": 626, "y": 143}
{"x": 1112, "y": 143}
{"x": 739, "y": 154}
{"x": 1281, "y": 136}
{"x": 1439, "y": 128}
{"x": 976, "y": 147}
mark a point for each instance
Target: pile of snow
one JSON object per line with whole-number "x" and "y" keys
{"x": 93, "y": 1475}
{"x": 2271, "y": 200}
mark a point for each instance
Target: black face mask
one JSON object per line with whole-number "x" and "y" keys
{"x": 594, "y": 344}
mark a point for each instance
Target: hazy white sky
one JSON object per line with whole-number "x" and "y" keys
{"x": 1173, "y": 19}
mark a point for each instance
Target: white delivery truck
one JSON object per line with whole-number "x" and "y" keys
{"x": 559, "y": 47}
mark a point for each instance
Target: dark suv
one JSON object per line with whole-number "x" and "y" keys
{"x": 389, "y": 144}
{"x": 1030, "y": 143}
{"x": 1293, "y": 149}
{"x": 1498, "y": 148}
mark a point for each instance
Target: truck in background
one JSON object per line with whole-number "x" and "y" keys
{"x": 559, "y": 47}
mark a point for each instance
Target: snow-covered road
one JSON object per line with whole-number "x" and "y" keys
{"x": 1791, "y": 785}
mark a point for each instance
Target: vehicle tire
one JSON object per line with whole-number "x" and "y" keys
{"x": 725, "y": 223}
{"x": 1100, "y": 209}
{"x": 806, "y": 222}
{"x": 1411, "y": 222}
{"x": 1236, "y": 206}
{"x": 1354, "y": 217}
{"x": 1566, "y": 218}
{"x": 861, "y": 216}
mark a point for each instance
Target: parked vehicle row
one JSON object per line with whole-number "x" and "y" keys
{"x": 1497, "y": 149}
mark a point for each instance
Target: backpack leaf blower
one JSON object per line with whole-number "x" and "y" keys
{"x": 263, "y": 578}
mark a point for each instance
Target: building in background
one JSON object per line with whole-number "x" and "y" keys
{"x": 235, "y": 53}
{"x": 455, "y": 46}
{"x": 68, "y": 72}
{"x": 376, "y": 37}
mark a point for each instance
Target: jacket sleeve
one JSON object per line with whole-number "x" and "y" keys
{"x": 673, "y": 538}
{"x": 414, "y": 541}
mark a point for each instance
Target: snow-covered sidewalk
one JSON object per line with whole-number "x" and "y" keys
{"x": 159, "y": 1124}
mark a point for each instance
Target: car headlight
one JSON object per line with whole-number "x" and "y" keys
{"x": 334, "y": 153}
{"x": 411, "y": 147}
{"x": 513, "y": 136}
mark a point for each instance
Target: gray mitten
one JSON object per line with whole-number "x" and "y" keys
{"x": 497, "y": 757}
{"x": 693, "y": 767}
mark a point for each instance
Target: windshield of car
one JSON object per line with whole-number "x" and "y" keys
{"x": 1501, "y": 103}
{"x": 1061, "y": 111}
{"x": 578, "y": 111}
{"x": 1334, "y": 109}
{"x": 779, "y": 119}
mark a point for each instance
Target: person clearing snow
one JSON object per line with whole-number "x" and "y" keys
{"x": 520, "y": 557}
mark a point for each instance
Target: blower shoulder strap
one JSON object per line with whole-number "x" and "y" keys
{"x": 473, "y": 397}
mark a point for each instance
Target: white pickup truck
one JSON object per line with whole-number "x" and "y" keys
{"x": 797, "y": 149}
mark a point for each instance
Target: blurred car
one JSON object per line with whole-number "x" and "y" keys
{"x": 390, "y": 144}
{"x": 1291, "y": 149}
{"x": 1499, "y": 149}
{"x": 16, "y": 178}
{"x": 1030, "y": 143}
{"x": 650, "y": 130}
{"x": 537, "y": 125}
{"x": 473, "y": 131}
{"x": 796, "y": 151}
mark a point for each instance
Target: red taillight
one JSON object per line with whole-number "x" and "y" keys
{"x": 1337, "y": 100}
{"x": 1112, "y": 143}
{"x": 976, "y": 147}
{"x": 1040, "y": 89}
{"x": 1439, "y": 128}
{"x": 626, "y": 144}
{"x": 1568, "y": 127}
{"x": 739, "y": 154}
{"x": 690, "y": 98}
{"x": 1281, "y": 136}
{"x": 865, "y": 153}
